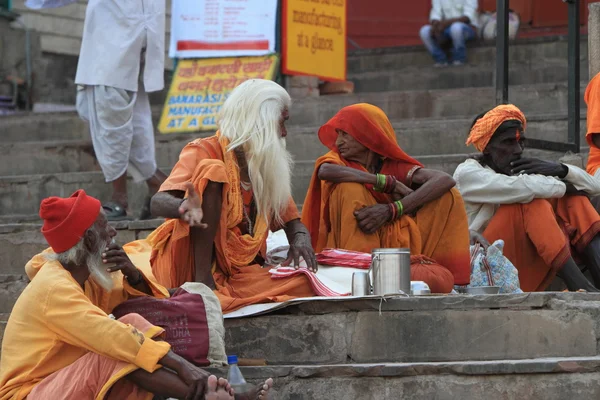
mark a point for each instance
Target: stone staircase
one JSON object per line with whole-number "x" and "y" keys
{"x": 502, "y": 347}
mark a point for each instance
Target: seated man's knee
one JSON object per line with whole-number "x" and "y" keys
{"x": 457, "y": 31}
{"x": 425, "y": 32}
{"x": 136, "y": 320}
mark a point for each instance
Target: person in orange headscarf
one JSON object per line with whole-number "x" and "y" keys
{"x": 592, "y": 99}
{"x": 367, "y": 193}
{"x": 221, "y": 198}
{"x": 535, "y": 206}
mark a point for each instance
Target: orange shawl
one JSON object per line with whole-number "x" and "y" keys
{"x": 370, "y": 127}
{"x": 592, "y": 99}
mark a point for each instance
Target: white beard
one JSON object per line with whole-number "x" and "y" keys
{"x": 272, "y": 187}
{"x": 98, "y": 272}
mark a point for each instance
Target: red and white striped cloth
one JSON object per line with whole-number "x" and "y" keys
{"x": 344, "y": 258}
{"x": 334, "y": 277}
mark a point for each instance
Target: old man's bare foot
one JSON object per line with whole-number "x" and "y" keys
{"x": 259, "y": 393}
{"x": 218, "y": 389}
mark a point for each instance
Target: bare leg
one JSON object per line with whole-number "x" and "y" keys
{"x": 592, "y": 256}
{"x": 155, "y": 181}
{"x": 119, "y": 195}
{"x": 161, "y": 382}
{"x": 574, "y": 278}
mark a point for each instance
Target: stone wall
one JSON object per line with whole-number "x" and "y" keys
{"x": 60, "y": 31}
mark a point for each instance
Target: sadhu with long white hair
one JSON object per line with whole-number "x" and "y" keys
{"x": 222, "y": 197}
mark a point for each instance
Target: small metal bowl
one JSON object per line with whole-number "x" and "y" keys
{"x": 419, "y": 288}
{"x": 483, "y": 290}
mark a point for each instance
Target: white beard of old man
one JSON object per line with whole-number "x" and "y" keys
{"x": 79, "y": 234}
{"x": 253, "y": 119}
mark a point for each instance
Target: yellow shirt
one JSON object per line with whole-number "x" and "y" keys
{"x": 54, "y": 323}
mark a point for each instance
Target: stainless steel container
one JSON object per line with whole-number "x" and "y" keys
{"x": 361, "y": 284}
{"x": 391, "y": 271}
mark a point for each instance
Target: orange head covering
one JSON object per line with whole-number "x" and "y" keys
{"x": 370, "y": 126}
{"x": 592, "y": 99}
{"x": 485, "y": 127}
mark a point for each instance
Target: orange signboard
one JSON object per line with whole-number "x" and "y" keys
{"x": 314, "y": 38}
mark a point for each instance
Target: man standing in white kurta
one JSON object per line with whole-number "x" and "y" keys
{"x": 121, "y": 60}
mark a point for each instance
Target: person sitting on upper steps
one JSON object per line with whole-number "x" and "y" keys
{"x": 368, "y": 193}
{"x": 539, "y": 208}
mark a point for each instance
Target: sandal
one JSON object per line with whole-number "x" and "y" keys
{"x": 114, "y": 211}
{"x": 145, "y": 212}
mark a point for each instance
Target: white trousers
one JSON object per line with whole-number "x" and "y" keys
{"x": 121, "y": 129}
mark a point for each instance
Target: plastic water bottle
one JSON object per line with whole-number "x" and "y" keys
{"x": 235, "y": 377}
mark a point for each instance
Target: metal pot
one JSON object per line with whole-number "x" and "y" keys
{"x": 483, "y": 290}
{"x": 391, "y": 271}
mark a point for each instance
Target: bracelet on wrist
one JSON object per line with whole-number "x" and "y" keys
{"x": 396, "y": 210}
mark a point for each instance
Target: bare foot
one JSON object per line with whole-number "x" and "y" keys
{"x": 218, "y": 389}
{"x": 260, "y": 392}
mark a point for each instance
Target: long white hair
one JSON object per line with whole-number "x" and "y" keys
{"x": 251, "y": 120}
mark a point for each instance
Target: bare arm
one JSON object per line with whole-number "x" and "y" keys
{"x": 203, "y": 238}
{"x": 166, "y": 204}
{"x": 340, "y": 174}
{"x": 433, "y": 183}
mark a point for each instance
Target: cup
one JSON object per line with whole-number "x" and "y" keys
{"x": 361, "y": 284}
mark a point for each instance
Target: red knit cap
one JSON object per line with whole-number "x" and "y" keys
{"x": 66, "y": 220}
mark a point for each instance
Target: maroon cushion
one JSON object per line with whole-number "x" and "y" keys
{"x": 183, "y": 317}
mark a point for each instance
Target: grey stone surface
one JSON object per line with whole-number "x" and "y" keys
{"x": 594, "y": 39}
{"x": 11, "y": 287}
{"x": 471, "y": 335}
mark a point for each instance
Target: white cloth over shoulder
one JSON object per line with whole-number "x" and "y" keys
{"x": 449, "y": 9}
{"x": 115, "y": 33}
{"x": 38, "y": 4}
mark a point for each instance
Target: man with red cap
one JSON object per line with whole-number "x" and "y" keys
{"x": 60, "y": 338}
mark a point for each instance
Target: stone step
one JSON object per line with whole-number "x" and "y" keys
{"x": 418, "y": 77}
{"x": 540, "y": 378}
{"x": 416, "y": 137}
{"x": 422, "y": 329}
{"x": 548, "y": 98}
{"x": 530, "y": 50}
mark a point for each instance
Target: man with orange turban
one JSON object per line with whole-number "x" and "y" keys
{"x": 222, "y": 197}
{"x": 60, "y": 341}
{"x": 535, "y": 206}
{"x": 367, "y": 193}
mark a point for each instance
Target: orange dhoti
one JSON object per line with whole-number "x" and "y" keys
{"x": 439, "y": 231}
{"x": 94, "y": 376}
{"x": 538, "y": 236}
{"x": 239, "y": 280}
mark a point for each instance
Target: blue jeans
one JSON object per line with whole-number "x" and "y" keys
{"x": 458, "y": 33}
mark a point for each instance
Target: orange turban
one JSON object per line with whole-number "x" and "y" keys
{"x": 484, "y": 128}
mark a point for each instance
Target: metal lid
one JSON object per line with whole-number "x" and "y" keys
{"x": 391, "y": 251}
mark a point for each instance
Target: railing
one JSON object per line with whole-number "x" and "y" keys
{"x": 574, "y": 95}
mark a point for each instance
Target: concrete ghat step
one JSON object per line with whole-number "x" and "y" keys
{"x": 422, "y": 329}
{"x": 541, "y": 378}
{"x": 416, "y": 137}
{"x": 20, "y": 242}
{"x": 539, "y": 50}
{"x": 466, "y": 76}
{"x": 398, "y": 105}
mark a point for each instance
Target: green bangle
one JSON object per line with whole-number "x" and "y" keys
{"x": 400, "y": 207}
{"x": 380, "y": 185}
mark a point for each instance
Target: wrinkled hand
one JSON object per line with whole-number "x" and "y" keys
{"x": 191, "y": 209}
{"x": 301, "y": 246}
{"x": 477, "y": 237}
{"x": 114, "y": 254}
{"x": 196, "y": 379}
{"x": 371, "y": 218}
{"x": 532, "y": 166}
{"x": 400, "y": 191}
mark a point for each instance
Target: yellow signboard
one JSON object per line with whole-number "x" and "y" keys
{"x": 314, "y": 38}
{"x": 200, "y": 87}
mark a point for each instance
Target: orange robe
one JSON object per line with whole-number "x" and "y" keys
{"x": 239, "y": 280}
{"x": 439, "y": 230}
{"x": 539, "y": 235}
{"x": 592, "y": 99}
